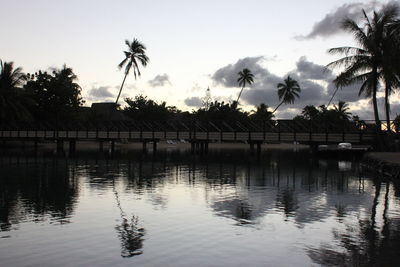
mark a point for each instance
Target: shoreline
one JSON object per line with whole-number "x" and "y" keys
{"x": 386, "y": 164}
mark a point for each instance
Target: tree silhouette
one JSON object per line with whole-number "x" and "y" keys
{"x": 57, "y": 95}
{"x": 288, "y": 91}
{"x": 136, "y": 54}
{"x": 245, "y": 77}
{"x": 261, "y": 113}
{"x": 343, "y": 110}
{"x": 390, "y": 22}
{"x": 369, "y": 63}
{"x": 14, "y": 101}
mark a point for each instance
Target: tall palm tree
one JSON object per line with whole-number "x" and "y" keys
{"x": 13, "y": 102}
{"x": 390, "y": 54}
{"x": 288, "y": 91}
{"x": 245, "y": 77}
{"x": 136, "y": 54}
{"x": 343, "y": 110}
{"x": 365, "y": 64}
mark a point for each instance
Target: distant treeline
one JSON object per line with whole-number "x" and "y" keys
{"x": 54, "y": 97}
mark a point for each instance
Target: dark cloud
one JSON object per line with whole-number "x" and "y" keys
{"x": 194, "y": 101}
{"x": 347, "y": 93}
{"x": 330, "y": 24}
{"x": 309, "y": 70}
{"x": 264, "y": 88}
{"x": 101, "y": 93}
{"x": 159, "y": 80}
{"x": 315, "y": 82}
{"x": 228, "y": 75}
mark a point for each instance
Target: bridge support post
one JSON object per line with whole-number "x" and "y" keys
{"x": 251, "y": 147}
{"x": 154, "y": 146}
{"x": 314, "y": 147}
{"x": 112, "y": 146}
{"x": 101, "y": 146}
{"x": 35, "y": 145}
{"x": 206, "y": 147}
{"x": 258, "y": 149}
{"x": 192, "y": 147}
{"x": 144, "y": 146}
{"x": 197, "y": 147}
{"x": 60, "y": 146}
{"x": 202, "y": 147}
{"x": 72, "y": 146}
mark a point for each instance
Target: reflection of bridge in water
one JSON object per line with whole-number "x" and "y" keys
{"x": 198, "y": 133}
{"x": 304, "y": 191}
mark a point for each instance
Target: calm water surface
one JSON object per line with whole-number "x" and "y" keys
{"x": 175, "y": 209}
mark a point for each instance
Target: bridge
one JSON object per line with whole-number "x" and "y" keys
{"x": 198, "y": 133}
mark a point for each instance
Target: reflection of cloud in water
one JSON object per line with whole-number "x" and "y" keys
{"x": 234, "y": 208}
{"x": 304, "y": 196}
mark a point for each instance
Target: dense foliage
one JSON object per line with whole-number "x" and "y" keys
{"x": 56, "y": 95}
{"x": 14, "y": 101}
{"x": 142, "y": 108}
{"x": 338, "y": 115}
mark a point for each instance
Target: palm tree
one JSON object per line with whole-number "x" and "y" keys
{"x": 13, "y": 102}
{"x": 136, "y": 54}
{"x": 342, "y": 110}
{"x": 261, "y": 113}
{"x": 310, "y": 112}
{"x": 391, "y": 56}
{"x": 288, "y": 91}
{"x": 245, "y": 77}
{"x": 365, "y": 64}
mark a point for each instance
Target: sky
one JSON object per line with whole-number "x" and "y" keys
{"x": 192, "y": 45}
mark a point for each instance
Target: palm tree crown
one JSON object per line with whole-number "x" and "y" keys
{"x": 261, "y": 113}
{"x": 135, "y": 55}
{"x": 245, "y": 77}
{"x": 288, "y": 91}
{"x": 373, "y": 60}
{"x": 13, "y": 102}
{"x": 10, "y": 78}
{"x": 343, "y": 110}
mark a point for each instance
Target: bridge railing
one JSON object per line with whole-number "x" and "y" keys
{"x": 271, "y": 126}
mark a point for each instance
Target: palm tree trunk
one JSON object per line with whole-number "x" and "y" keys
{"x": 387, "y": 108}
{"x": 120, "y": 89}
{"x": 277, "y": 107}
{"x": 237, "y": 101}
{"x": 333, "y": 95}
{"x": 375, "y": 105}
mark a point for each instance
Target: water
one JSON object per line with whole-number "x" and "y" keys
{"x": 175, "y": 209}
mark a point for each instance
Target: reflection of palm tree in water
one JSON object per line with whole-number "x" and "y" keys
{"x": 129, "y": 232}
{"x": 367, "y": 246}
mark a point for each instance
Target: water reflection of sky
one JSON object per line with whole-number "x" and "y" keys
{"x": 178, "y": 210}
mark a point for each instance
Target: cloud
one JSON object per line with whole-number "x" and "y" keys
{"x": 315, "y": 83}
{"x": 330, "y": 24}
{"x": 309, "y": 70}
{"x": 159, "y": 80}
{"x": 101, "y": 93}
{"x": 194, "y": 101}
{"x": 264, "y": 88}
{"x": 228, "y": 75}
